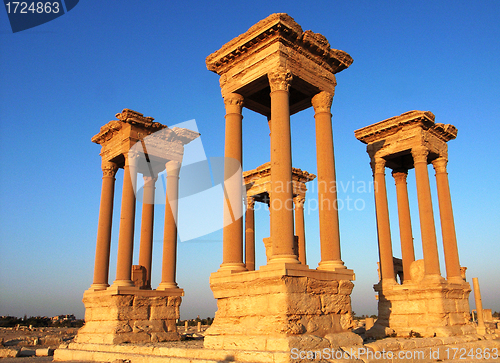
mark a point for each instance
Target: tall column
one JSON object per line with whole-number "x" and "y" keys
{"x": 282, "y": 233}
{"x": 383, "y": 225}
{"x": 169, "y": 262}
{"x": 327, "y": 185}
{"x": 300, "y": 230}
{"x": 127, "y": 219}
{"x": 232, "y": 240}
{"x": 447, "y": 221}
{"x": 427, "y": 227}
{"x": 405, "y": 233}
{"x": 250, "y": 235}
{"x": 148, "y": 207}
{"x": 101, "y": 266}
{"x": 481, "y": 328}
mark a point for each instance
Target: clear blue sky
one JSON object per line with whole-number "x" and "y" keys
{"x": 61, "y": 81}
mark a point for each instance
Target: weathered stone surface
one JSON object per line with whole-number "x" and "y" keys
{"x": 439, "y": 308}
{"x": 9, "y": 352}
{"x": 26, "y": 352}
{"x": 344, "y": 339}
{"x": 425, "y": 303}
{"x": 268, "y": 311}
{"x": 44, "y": 352}
{"x": 417, "y": 270}
{"x": 115, "y": 319}
{"x": 244, "y": 61}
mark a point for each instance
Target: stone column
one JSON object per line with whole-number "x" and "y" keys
{"x": 101, "y": 266}
{"x": 300, "y": 230}
{"x": 481, "y": 328}
{"x": 327, "y": 189}
{"x": 146, "y": 247}
{"x": 127, "y": 222}
{"x": 232, "y": 254}
{"x": 427, "y": 227}
{"x": 250, "y": 235}
{"x": 282, "y": 233}
{"x": 383, "y": 225}
{"x": 407, "y": 249}
{"x": 447, "y": 221}
{"x": 169, "y": 262}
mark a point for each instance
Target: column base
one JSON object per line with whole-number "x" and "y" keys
{"x": 98, "y": 287}
{"x": 389, "y": 282}
{"x": 167, "y": 286}
{"x": 331, "y": 265}
{"x": 433, "y": 278}
{"x": 233, "y": 266}
{"x": 279, "y": 307}
{"x": 292, "y": 259}
{"x": 429, "y": 308}
{"x": 455, "y": 279}
{"x": 138, "y": 317}
{"x": 123, "y": 283}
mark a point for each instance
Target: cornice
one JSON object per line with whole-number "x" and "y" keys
{"x": 107, "y": 132}
{"x": 282, "y": 28}
{"x": 265, "y": 170}
{"x": 382, "y": 129}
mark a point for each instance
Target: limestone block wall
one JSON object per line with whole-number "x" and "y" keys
{"x": 430, "y": 309}
{"x": 277, "y": 313}
{"x": 116, "y": 319}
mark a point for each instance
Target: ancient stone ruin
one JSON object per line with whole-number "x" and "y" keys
{"x": 267, "y": 312}
{"x": 424, "y": 303}
{"x": 129, "y": 310}
{"x": 258, "y": 188}
{"x": 276, "y": 69}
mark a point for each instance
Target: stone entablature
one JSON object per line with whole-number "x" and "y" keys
{"x": 277, "y": 41}
{"x": 390, "y": 126}
{"x": 118, "y": 137}
{"x": 401, "y": 133}
{"x": 258, "y": 182}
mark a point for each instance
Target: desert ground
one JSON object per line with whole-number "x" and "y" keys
{"x": 20, "y": 345}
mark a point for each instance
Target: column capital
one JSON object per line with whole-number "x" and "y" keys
{"x": 280, "y": 79}
{"x": 109, "y": 169}
{"x": 322, "y": 102}
{"x": 378, "y": 165}
{"x": 419, "y": 154}
{"x": 299, "y": 200}
{"x": 131, "y": 157}
{"x": 149, "y": 179}
{"x": 233, "y": 103}
{"x": 400, "y": 175}
{"x": 440, "y": 164}
{"x": 250, "y": 202}
{"x": 173, "y": 168}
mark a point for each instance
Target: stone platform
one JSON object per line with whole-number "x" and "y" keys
{"x": 421, "y": 350}
{"x": 280, "y": 307}
{"x": 427, "y": 308}
{"x": 130, "y": 315}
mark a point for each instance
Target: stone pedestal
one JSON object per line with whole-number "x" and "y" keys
{"x": 279, "y": 308}
{"x": 140, "y": 317}
{"x": 425, "y": 307}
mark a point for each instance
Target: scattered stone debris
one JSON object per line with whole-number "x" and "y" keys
{"x": 22, "y": 341}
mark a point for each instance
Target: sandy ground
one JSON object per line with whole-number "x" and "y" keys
{"x": 31, "y": 339}
{"x": 27, "y": 340}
